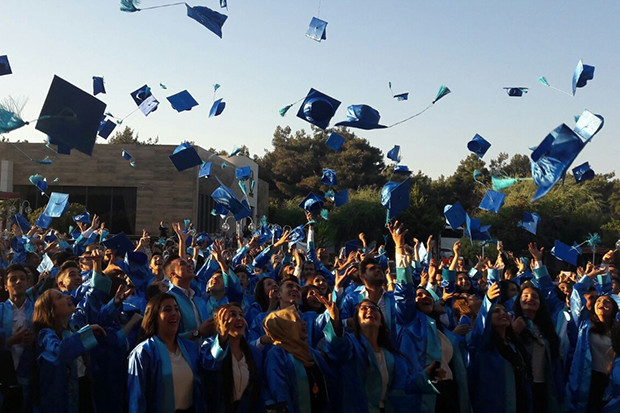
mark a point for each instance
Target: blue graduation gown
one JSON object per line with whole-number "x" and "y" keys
{"x": 188, "y": 319}
{"x": 613, "y": 406}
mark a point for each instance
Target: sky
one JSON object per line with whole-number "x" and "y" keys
{"x": 264, "y": 61}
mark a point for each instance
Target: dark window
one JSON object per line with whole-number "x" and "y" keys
{"x": 206, "y": 221}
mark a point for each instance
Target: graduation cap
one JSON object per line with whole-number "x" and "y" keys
{"x": 185, "y": 157}
{"x": 106, "y": 127}
{"x": 362, "y": 117}
{"x": 202, "y": 237}
{"x": 98, "y": 86}
{"x": 352, "y": 246}
{"x": 478, "y": 145}
{"x": 71, "y": 116}
{"x": 565, "y": 252}
{"x": 335, "y": 141}
{"x": 145, "y": 100}
{"x": 21, "y": 221}
{"x": 552, "y": 158}
{"x": 296, "y": 234}
{"x": 61, "y": 148}
{"x": 395, "y": 197}
{"x": 57, "y": 205}
{"x": 182, "y": 101}
{"x": 455, "y": 215}
{"x": 210, "y": 19}
{"x": 318, "y": 108}
{"x": 530, "y": 222}
{"x": 582, "y": 74}
{"x": 401, "y": 169}
{"x": 243, "y": 173}
{"x": 264, "y": 234}
{"x": 583, "y": 172}
{"x": 5, "y": 67}
{"x": 329, "y": 177}
{"x": 317, "y": 29}
{"x": 515, "y": 91}
{"x": 205, "y": 170}
{"x": 39, "y": 181}
{"x": 402, "y": 96}
{"x": 341, "y": 197}
{"x": 217, "y": 108}
{"x": 492, "y": 201}
{"x": 120, "y": 243}
{"x": 474, "y": 231}
{"x": 43, "y": 222}
{"x": 227, "y": 201}
{"x": 394, "y": 153}
{"x": 312, "y": 203}
{"x": 83, "y": 217}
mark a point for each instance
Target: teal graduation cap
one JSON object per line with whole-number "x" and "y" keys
{"x": 185, "y": 157}
{"x": 334, "y": 141}
{"x": 182, "y": 101}
{"x": 317, "y": 30}
{"x": 492, "y": 201}
{"x": 56, "y": 205}
{"x": 71, "y": 116}
{"x": 5, "y": 67}
{"x": 318, "y": 108}
{"x": 582, "y": 74}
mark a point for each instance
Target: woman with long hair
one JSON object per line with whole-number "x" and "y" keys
{"x": 613, "y": 405}
{"x": 231, "y": 363}
{"x": 163, "y": 369}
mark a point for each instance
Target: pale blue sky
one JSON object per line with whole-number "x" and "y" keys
{"x": 264, "y": 62}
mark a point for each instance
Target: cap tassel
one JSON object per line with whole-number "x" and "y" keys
{"x": 131, "y": 6}
{"x": 443, "y": 91}
{"x": 543, "y": 81}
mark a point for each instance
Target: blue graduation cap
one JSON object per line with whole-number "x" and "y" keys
{"x": 61, "y": 148}
{"x": 145, "y": 100}
{"x": 362, "y": 117}
{"x": 106, "y": 127}
{"x": 474, "y": 231}
{"x": 582, "y": 74}
{"x": 296, "y": 234}
{"x": 227, "y": 200}
{"x": 402, "y": 96}
{"x": 312, "y": 203}
{"x": 217, "y": 108}
{"x": 395, "y": 197}
{"x": 98, "y": 86}
{"x": 126, "y": 155}
{"x": 210, "y": 19}
{"x": 552, "y": 158}
{"x": 317, "y": 29}
{"x": 120, "y": 243}
{"x": 401, "y": 169}
{"x": 57, "y": 205}
{"x": 185, "y": 157}
{"x": 5, "y": 67}
{"x": 264, "y": 234}
{"x": 83, "y": 217}
{"x": 492, "y": 201}
{"x": 182, "y": 101}
{"x": 39, "y": 181}
{"x": 318, "y": 108}
{"x": 43, "y": 222}
{"x": 352, "y": 246}
{"x": 205, "y": 170}
{"x": 71, "y": 116}
{"x": 21, "y": 221}
{"x": 335, "y": 141}
{"x": 244, "y": 173}
{"x": 515, "y": 91}
{"x": 202, "y": 237}
{"x": 329, "y": 177}
{"x": 565, "y": 252}
{"x": 455, "y": 215}
{"x": 530, "y": 222}
{"x": 478, "y": 145}
{"x": 583, "y": 172}
{"x": 394, "y": 153}
{"x": 341, "y": 197}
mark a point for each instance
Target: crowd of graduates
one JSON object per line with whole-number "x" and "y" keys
{"x": 186, "y": 322}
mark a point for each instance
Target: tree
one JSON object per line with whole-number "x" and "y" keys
{"x": 127, "y": 137}
{"x": 62, "y": 223}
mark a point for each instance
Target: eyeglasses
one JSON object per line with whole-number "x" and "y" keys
{"x": 367, "y": 307}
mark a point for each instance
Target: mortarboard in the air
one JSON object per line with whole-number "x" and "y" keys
{"x": 225, "y": 197}
{"x": 297, "y": 234}
{"x": 264, "y": 234}
{"x": 341, "y": 197}
{"x": 217, "y": 108}
{"x": 395, "y": 197}
{"x": 185, "y": 157}
{"x": 145, "y": 100}
{"x": 530, "y": 222}
{"x": 71, "y": 116}
{"x": 402, "y": 96}
{"x": 5, "y": 67}
{"x": 21, "y": 221}
{"x": 329, "y": 177}
{"x": 565, "y": 252}
{"x": 492, "y": 201}
{"x": 56, "y": 205}
{"x": 244, "y": 173}
{"x": 98, "y": 86}
{"x": 455, "y": 215}
{"x": 106, "y": 127}
{"x": 583, "y": 172}
{"x": 582, "y": 74}
{"x": 60, "y": 147}
{"x": 43, "y": 221}
{"x": 312, "y": 203}
{"x": 317, "y": 30}
{"x": 318, "y": 108}
{"x": 205, "y": 170}
{"x": 335, "y": 141}
{"x": 84, "y": 218}
{"x": 401, "y": 169}
{"x": 478, "y": 145}
{"x": 474, "y": 231}
{"x": 210, "y": 19}
{"x": 126, "y": 155}
{"x": 394, "y": 153}
{"x": 120, "y": 243}
{"x": 202, "y": 237}
{"x": 352, "y": 246}
{"x": 39, "y": 181}
{"x": 555, "y": 154}
{"x": 515, "y": 91}
{"x": 182, "y": 101}
{"x": 362, "y": 117}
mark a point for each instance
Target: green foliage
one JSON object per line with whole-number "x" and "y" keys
{"x": 63, "y": 223}
{"x": 127, "y": 137}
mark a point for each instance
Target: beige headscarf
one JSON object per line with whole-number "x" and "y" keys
{"x": 281, "y": 327}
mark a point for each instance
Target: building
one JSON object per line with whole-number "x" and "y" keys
{"x": 129, "y": 198}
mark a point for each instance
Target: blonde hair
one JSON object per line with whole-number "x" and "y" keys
{"x": 43, "y": 315}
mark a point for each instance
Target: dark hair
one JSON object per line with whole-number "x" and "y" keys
{"x": 283, "y": 280}
{"x": 11, "y": 268}
{"x": 259, "y": 293}
{"x": 471, "y": 289}
{"x": 519, "y": 359}
{"x": 305, "y": 291}
{"x": 598, "y": 326}
{"x": 615, "y": 339}
{"x": 153, "y": 289}
{"x": 151, "y": 313}
{"x": 383, "y": 339}
{"x": 365, "y": 263}
{"x": 60, "y": 257}
{"x": 168, "y": 263}
{"x": 503, "y": 289}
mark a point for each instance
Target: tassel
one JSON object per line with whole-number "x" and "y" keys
{"x": 443, "y": 91}
{"x": 10, "y": 116}
{"x": 285, "y": 109}
{"x": 129, "y": 6}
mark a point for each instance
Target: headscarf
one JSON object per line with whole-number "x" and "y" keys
{"x": 281, "y": 326}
